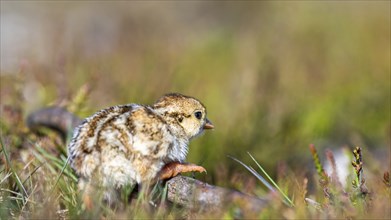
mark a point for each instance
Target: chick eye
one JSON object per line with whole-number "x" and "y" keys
{"x": 198, "y": 115}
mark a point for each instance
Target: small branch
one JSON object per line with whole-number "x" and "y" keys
{"x": 194, "y": 194}
{"x": 56, "y": 118}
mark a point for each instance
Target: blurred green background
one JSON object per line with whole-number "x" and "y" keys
{"x": 275, "y": 76}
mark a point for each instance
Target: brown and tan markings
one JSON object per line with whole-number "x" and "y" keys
{"x": 133, "y": 143}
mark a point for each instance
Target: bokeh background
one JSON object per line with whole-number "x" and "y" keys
{"x": 275, "y": 76}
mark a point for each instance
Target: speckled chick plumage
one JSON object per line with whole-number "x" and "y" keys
{"x": 130, "y": 144}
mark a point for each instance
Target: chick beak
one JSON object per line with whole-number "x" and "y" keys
{"x": 208, "y": 125}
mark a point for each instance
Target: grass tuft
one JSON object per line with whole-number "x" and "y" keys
{"x": 23, "y": 195}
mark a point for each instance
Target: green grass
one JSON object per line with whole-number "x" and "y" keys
{"x": 45, "y": 186}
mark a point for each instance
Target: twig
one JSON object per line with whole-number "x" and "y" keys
{"x": 194, "y": 194}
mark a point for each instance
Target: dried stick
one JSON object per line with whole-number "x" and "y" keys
{"x": 194, "y": 194}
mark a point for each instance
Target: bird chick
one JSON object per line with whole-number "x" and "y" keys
{"x": 135, "y": 144}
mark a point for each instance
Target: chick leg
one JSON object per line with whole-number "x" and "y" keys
{"x": 87, "y": 202}
{"x": 174, "y": 168}
{"x": 87, "y": 192}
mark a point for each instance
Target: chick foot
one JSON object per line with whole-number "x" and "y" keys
{"x": 174, "y": 168}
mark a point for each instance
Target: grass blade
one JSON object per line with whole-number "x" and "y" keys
{"x": 35, "y": 170}
{"x": 267, "y": 184}
{"x": 15, "y": 175}
{"x": 271, "y": 180}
